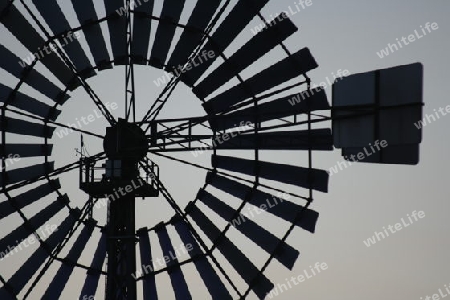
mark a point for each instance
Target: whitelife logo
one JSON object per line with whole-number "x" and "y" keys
{"x": 162, "y": 262}
{"x": 49, "y": 229}
{"x": 272, "y": 20}
{"x": 437, "y": 296}
{"x": 391, "y": 229}
{"x": 340, "y": 74}
{"x": 181, "y": 69}
{"x": 313, "y": 271}
{"x": 48, "y": 49}
{"x": 358, "y": 157}
{"x": 405, "y": 41}
{"x": 244, "y": 216}
{"x": 84, "y": 121}
{"x": 429, "y": 118}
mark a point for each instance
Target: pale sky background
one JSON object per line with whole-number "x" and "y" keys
{"x": 346, "y": 35}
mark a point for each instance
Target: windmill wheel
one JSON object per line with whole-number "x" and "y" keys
{"x": 219, "y": 244}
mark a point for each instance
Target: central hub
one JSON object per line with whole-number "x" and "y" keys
{"x": 125, "y": 141}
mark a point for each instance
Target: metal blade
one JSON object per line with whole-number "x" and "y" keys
{"x": 54, "y": 17}
{"x": 308, "y": 178}
{"x": 34, "y": 262}
{"x": 64, "y": 272}
{"x": 285, "y": 70}
{"x": 27, "y": 198}
{"x": 277, "y": 206}
{"x": 117, "y": 25}
{"x": 141, "y": 32}
{"x": 177, "y": 278}
{"x": 20, "y": 174}
{"x": 27, "y": 103}
{"x": 164, "y": 34}
{"x": 13, "y": 240}
{"x": 149, "y": 282}
{"x": 93, "y": 275}
{"x": 309, "y": 101}
{"x": 26, "y": 128}
{"x": 26, "y": 150}
{"x": 254, "y": 49}
{"x": 316, "y": 139}
{"x": 95, "y": 38}
{"x": 16, "y": 23}
{"x": 246, "y": 269}
{"x": 241, "y": 14}
{"x": 196, "y": 26}
{"x": 260, "y": 236}
{"x": 209, "y": 276}
{"x": 35, "y": 79}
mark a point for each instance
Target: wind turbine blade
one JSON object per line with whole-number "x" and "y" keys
{"x": 9, "y": 63}
{"x": 27, "y": 103}
{"x": 27, "y": 150}
{"x": 308, "y": 101}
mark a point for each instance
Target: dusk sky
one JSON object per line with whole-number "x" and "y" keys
{"x": 345, "y": 37}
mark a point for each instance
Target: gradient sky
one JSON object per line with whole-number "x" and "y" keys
{"x": 363, "y": 198}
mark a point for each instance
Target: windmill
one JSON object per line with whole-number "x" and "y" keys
{"x": 366, "y": 108}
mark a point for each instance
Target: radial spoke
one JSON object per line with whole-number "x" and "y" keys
{"x": 228, "y": 175}
{"x": 178, "y": 210}
{"x": 155, "y": 109}
{"x": 158, "y": 104}
{"x": 186, "y": 125}
{"x": 130, "y": 91}
{"x": 52, "y": 122}
{"x": 64, "y": 169}
{"x": 187, "y": 139}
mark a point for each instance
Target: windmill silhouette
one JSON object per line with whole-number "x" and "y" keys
{"x": 254, "y": 116}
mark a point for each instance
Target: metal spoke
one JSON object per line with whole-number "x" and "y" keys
{"x": 45, "y": 121}
{"x": 228, "y": 175}
{"x": 157, "y": 106}
{"x": 64, "y": 169}
{"x": 183, "y": 216}
{"x": 130, "y": 91}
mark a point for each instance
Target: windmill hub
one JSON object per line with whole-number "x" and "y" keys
{"x": 125, "y": 141}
